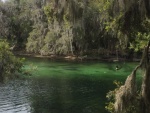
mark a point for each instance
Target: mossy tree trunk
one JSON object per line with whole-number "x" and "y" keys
{"x": 127, "y": 98}
{"x": 145, "y": 90}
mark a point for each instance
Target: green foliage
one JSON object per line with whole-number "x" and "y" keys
{"x": 49, "y": 11}
{"x": 49, "y": 46}
{"x": 15, "y": 21}
{"x": 140, "y": 42}
{"x": 128, "y": 24}
{"x": 111, "y": 97}
{"x": 64, "y": 27}
{"x": 140, "y": 36}
{"x": 34, "y": 41}
{"x": 73, "y": 26}
{"x": 10, "y": 65}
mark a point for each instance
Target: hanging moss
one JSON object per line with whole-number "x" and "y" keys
{"x": 127, "y": 98}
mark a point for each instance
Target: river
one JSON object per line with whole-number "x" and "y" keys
{"x": 62, "y": 87}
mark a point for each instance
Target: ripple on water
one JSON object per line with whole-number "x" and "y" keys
{"x": 14, "y": 97}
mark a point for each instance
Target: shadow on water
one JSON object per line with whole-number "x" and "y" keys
{"x": 76, "y": 95}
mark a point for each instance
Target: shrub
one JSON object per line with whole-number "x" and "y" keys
{"x": 9, "y": 64}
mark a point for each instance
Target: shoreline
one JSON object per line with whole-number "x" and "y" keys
{"x": 75, "y": 57}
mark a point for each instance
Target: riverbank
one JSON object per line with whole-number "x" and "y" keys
{"x": 75, "y": 57}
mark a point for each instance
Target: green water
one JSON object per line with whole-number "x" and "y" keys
{"x": 67, "y": 87}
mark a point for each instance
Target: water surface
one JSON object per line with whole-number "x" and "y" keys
{"x": 62, "y": 87}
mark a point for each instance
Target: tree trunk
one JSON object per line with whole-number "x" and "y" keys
{"x": 145, "y": 90}
{"x": 145, "y": 98}
{"x": 126, "y": 96}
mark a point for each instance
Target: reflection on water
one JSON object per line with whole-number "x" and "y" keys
{"x": 79, "y": 95}
{"x": 62, "y": 87}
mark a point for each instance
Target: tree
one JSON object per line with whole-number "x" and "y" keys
{"x": 15, "y": 21}
{"x": 134, "y": 23}
{"x": 9, "y": 64}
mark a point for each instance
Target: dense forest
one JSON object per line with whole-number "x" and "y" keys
{"x": 75, "y": 27}
{"x": 81, "y": 27}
